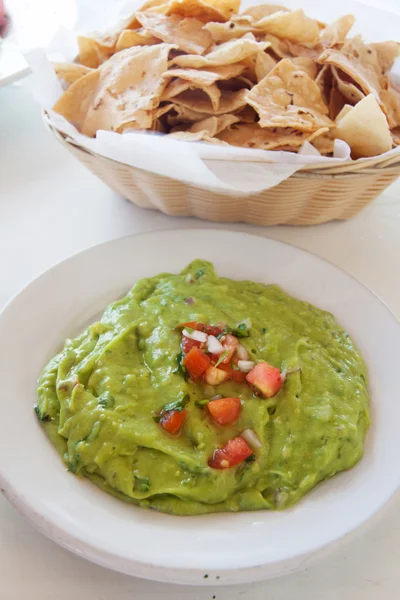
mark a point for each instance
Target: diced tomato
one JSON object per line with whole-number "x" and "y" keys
{"x": 173, "y": 420}
{"x": 215, "y": 376}
{"x": 224, "y": 411}
{"x": 196, "y": 362}
{"x": 187, "y": 344}
{"x": 233, "y": 453}
{"x": 230, "y": 343}
{"x": 265, "y": 378}
{"x": 210, "y": 329}
{"x": 236, "y": 376}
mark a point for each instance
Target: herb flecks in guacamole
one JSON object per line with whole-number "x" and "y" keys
{"x": 102, "y": 398}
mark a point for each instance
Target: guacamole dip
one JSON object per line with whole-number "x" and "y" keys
{"x": 196, "y": 394}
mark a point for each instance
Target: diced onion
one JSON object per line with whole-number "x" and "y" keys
{"x": 246, "y": 365}
{"x": 241, "y": 352}
{"x": 251, "y": 438}
{"x": 198, "y": 336}
{"x": 214, "y": 346}
{"x": 217, "y": 397}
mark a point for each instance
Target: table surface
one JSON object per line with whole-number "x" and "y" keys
{"x": 52, "y": 207}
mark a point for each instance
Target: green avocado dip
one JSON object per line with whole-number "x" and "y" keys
{"x": 112, "y": 398}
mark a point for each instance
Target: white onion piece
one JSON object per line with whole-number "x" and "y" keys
{"x": 246, "y": 365}
{"x": 214, "y": 346}
{"x": 251, "y": 438}
{"x": 241, "y": 352}
{"x": 198, "y": 336}
{"x": 217, "y": 397}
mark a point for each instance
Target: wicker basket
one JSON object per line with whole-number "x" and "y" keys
{"x": 310, "y": 196}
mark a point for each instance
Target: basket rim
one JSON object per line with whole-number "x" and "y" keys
{"x": 349, "y": 167}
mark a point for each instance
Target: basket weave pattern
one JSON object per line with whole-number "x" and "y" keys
{"x": 310, "y": 196}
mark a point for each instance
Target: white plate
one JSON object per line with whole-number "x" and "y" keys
{"x": 229, "y": 548}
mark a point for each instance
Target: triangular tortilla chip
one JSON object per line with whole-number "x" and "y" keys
{"x": 187, "y": 34}
{"x": 182, "y": 114}
{"x": 263, "y": 10}
{"x": 228, "y": 53}
{"x": 178, "y": 86}
{"x": 75, "y": 102}
{"x": 263, "y": 64}
{"x": 386, "y": 53}
{"x": 223, "y": 32}
{"x": 359, "y": 62}
{"x": 197, "y": 100}
{"x": 91, "y": 53}
{"x": 251, "y": 135}
{"x": 349, "y": 90}
{"x": 196, "y": 9}
{"x": 336, "y": 32}
{"x": 204, "y": 77}
{"x": 129, "y": 38}
{"x": 287, "y": 97}
{"x": 307, "y": 65}
{"x": 122, "y": 93}
{"x": 68, "y": 73}
{"x": 391, "y": 100}
{"x": 365, "y": 129}
{"x": 214, "y": 125}
{"x": 324, "y": 143}
{"x": 324, "y": 82}
{"x": 294, "y": 26}
{"x": 336, "y": 101}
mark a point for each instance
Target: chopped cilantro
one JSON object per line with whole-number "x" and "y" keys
{"x": 199, "y": 273}
{"x": 201, "y": 403}
{"x": 142, "y": 484}
{"x": 264, "y": 330}
{"x": 222, "y": 357}
{"x": 40, "y": 416}
{"x": 178, "y": 404}
{"x": 251, "y": 458}
{"x": 180, "y": 368}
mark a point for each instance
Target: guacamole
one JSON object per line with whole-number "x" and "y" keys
{"x": 106, "y": 399}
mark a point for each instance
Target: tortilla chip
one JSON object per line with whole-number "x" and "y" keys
{"x": 336, "y": 33}
{"x": 336, "y": 101}
{"x": 75, "y": 102}
{"x": 263, "y": 10}
{"x": 129, "y": 38}
{"x": 365, "y": 129}
{"x": 197, "y": 100}
{"x": 247, "y": 114}
{"x": 214, "y": 125}
{"x": 386, "y": 53}
{"x": 324, "y": 82}
{"x": 349, "y": 90}
{"x": 264, "y": 63}
{"x": 396, "y": 136}
{"x": 391, "y": 101}
{"x": 127, "y": 88}
{"x": 287, "y": 97}
{"x": 178, "y": 86}
{"x": 223, "y": 32}
{"x": 196, "y": 9}
{"x": 91, "y": 53}
{"x": 68, "y": 73}
{"x": 227, "y": 7}
{"x": 324, "y": 143}
{"x": 307, "y": 65}
{"x": 251, "y": 135}
{"x": 228, "y": 53}
{"x": 182, "y": 114}
{"x": 187, "y": 34}
{"x": 294, "y": 26}
{"x": 204, "y": 77}
{"x": 359, "y": 62}
{"x": 279, "y": 47}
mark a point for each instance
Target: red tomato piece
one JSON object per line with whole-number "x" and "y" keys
{"x": 224, "y": 411}
{"x": 233, "y": 453}
{"x": 196, "y": 362}
{"x": 173, "y": 420}
{"x": 187, "y": 344}
{"x": 210, "y": 329}
{"x": 265, "y": 378}
{"x": 230, "y": 343}
{"x": 236, "y": 376}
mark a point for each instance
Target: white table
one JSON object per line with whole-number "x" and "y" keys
{"x": 51, "y": 207}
